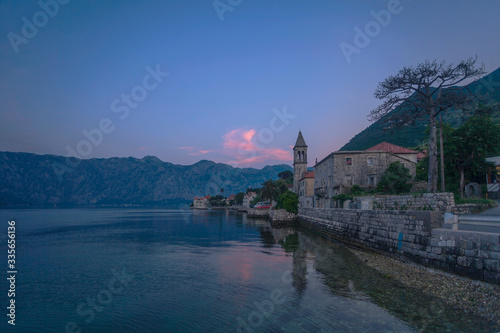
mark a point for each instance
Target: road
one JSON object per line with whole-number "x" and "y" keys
{"x": 487, "y": 221}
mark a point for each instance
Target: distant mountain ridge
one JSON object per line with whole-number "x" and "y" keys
{"x": 412, "y": 136}
{"x": 31, "y": 180}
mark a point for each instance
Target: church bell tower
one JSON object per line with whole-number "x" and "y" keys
{"x": 299, "y": 161}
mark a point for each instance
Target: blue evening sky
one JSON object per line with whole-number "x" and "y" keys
{"x": 242, "y": 78}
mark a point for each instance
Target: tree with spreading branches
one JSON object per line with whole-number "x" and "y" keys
{"x": 422, "y": 93}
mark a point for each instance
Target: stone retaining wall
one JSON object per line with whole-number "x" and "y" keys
{"x": 411, "y": 234}
{"x": 443, "y": 202}
{"x": 468, "y": 209}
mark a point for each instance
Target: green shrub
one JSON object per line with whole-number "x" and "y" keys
{"x": 480, "y": 201}
{"x": 395, "y": 180}
{"x": 356, "y": 190}
{"x": 288, "y": 201}
{"x": 342, "y": 198}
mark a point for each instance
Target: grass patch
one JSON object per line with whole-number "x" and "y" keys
{"x": 480, "y": 201}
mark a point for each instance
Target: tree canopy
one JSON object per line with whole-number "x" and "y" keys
{"x": 423, "y": 92}
{"x": 288, "y": 201}
{"x": 270, "y": 190}
{"x": 287, "y": 174}
{"x": 468, "y": 146}
{"x": 395, "y": 180}
{"x": 238, "y": 198}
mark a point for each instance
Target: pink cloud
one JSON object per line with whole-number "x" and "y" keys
{"x": 193, "y": 151}
{"x": 248, "y": 135}
{"x": 188, "y": 148}
{"x": 241, "y": 147}
{"x": 143, "y": 148}
{"x": 240, "y": 144}
{"x": 239, "y": 139}
{"x": 200, "y": 152}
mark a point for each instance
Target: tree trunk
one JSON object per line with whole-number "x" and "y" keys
{"x": 441, "y": 144}
{"x": 462, "y": 181}
{"x": 432, "y": 178}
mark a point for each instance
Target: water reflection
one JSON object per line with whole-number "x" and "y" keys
{"x": 352, "y": 280}
{"x": 204, "y": 271}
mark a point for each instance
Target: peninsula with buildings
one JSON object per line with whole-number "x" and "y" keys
{"x": 372, "y": 199}
{"x": 342, "y": 198}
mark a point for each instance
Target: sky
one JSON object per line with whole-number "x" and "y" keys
{"x": 231, "y": 81}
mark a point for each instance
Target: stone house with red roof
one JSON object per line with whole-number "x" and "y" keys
{"x": 340, "y": 170}
{"x": 248, "y": 198}
{"x": 230, "y": 198}
{"x": 201, "y": 202}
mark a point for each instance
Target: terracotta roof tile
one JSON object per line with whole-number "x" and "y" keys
{"x": 389, "y": 147}
{"x": 421, "y": 154}
{"x": 309, "y": 174}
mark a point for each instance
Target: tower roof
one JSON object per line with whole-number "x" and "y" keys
{"x": 300, "y": 141}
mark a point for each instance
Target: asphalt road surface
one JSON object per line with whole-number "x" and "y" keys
{"x": 487, "y": 221}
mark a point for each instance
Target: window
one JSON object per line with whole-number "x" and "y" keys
{"x": 348, "y": 161}
{"x": 371, "y": 161}
{"x": 371, "y": 180}
{"x": 349, "y": 180}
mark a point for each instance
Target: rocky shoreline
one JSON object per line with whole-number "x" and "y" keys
{"x": 277, "y": 217}
{"x": 477, "y": 297}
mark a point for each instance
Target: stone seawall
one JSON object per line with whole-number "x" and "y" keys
{"x": 415, "y": 235}
{"x": 379, "y": 230}
{"x": 474, "y": 254}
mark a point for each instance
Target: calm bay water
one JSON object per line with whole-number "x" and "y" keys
{"x": 159, "y": 270}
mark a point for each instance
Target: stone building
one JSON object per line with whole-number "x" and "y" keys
{"x": 306, "y": 190}
{"x": 339, "y": 171}
{"x": 323, "y": 182}
{"x": 299, "y": 161}
{"x": 248, "y": 198}
{"x": 201, "y": 202}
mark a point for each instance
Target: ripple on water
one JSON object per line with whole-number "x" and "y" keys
{"x": 209, "y": 273}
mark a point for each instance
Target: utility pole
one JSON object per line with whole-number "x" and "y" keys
{"x": 442, "y": 153}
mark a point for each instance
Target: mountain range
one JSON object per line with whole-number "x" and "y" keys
{"x": 413, "y": 136}
{"x": 47, "y": 180}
